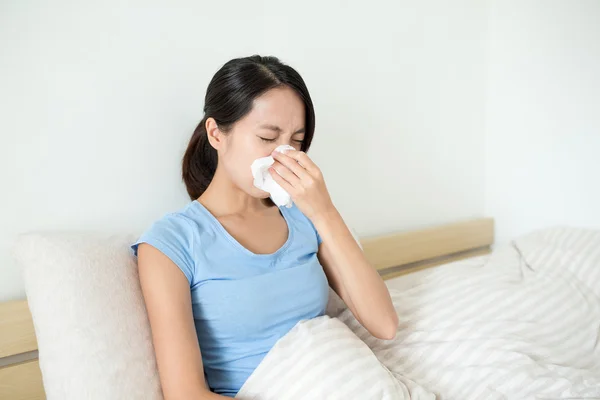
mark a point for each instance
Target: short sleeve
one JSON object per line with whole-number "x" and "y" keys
{"x": 174, "y": 237}
{"x": 319, "y": 240}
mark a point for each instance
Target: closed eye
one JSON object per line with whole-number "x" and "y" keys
{"x": 267, "y": 139}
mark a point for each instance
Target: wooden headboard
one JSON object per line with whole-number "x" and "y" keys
{"x": 393, "y": 255}
{"x": 397, "y": 254}
{"x": 20, "y": 377}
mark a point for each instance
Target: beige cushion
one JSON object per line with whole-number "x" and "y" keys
{"x": 91, "y": 324}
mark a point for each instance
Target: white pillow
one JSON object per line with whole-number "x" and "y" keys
{"x": 88, "y": 311}
{"x": 321, "y": 359}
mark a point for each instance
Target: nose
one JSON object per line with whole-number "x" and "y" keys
{"x": 281, "y": 142}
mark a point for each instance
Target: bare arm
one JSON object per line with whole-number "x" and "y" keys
{"x": 348, "y": 271}
{"x": 353, "y": 278}
{"x": 168, "y": 302}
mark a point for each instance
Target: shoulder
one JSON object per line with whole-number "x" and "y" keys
{"x": 176, "y": 236}
{"x": 295, "y": 214}
{"x": 176, "y": 226}
{"x": 301, "y": 221}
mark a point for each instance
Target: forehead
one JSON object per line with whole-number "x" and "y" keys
{"x": 279, "y": 106}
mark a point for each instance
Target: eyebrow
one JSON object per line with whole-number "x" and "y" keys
{"x": 279, "y": 130}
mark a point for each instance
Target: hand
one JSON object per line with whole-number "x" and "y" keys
{"x": 298, "y": 175}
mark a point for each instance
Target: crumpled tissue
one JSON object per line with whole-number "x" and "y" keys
{"x": 264, "y": 181}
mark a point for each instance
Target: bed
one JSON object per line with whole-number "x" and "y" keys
{"x": 520, "y": 323}
{"x": 398, "y": 257}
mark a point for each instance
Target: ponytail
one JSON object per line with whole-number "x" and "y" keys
{"x": 199, "y": 162}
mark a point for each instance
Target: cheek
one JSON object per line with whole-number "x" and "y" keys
{"x": 238, "y": 162}
{"x": 246, "y": 146}
{"x": 241, "y": 151}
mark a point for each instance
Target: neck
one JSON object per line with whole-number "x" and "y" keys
{"x": 223, "y": 197}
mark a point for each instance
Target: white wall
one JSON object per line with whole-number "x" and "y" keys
{"x": 543, "y": 115}
{"x": 99, "y": 100}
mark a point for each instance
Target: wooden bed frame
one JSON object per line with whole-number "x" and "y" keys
{"x": 392, "y": 255}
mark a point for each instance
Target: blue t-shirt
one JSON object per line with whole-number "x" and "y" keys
{"x": 242, "y": 302}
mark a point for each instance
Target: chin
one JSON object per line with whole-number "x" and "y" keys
{"x": 258, "y": 194}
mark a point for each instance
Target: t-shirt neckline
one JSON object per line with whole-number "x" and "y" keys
{"x": 215, "y": 222}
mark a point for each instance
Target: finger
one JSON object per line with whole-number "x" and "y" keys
{"x": 292, "y": 164}
{"x": 286, "y": 174}
{"x": 304, "y": 161}
{"x": 281, "y": 181}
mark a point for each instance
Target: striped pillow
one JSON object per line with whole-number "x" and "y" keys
{"x": 321, "y": 359}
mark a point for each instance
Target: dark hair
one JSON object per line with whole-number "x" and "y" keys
{"x": 229, "y": 97}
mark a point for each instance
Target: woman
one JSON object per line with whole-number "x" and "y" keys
{"x": 230, "y": 274}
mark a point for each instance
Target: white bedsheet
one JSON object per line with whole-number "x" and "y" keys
{"x": 523, "y": 323}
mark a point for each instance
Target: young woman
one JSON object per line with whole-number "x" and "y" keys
{"x": 229, "y": 274}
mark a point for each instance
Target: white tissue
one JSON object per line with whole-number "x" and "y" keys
{"x": 264, "y": 181}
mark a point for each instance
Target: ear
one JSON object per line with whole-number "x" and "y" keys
{"x": 215, "y": 136}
